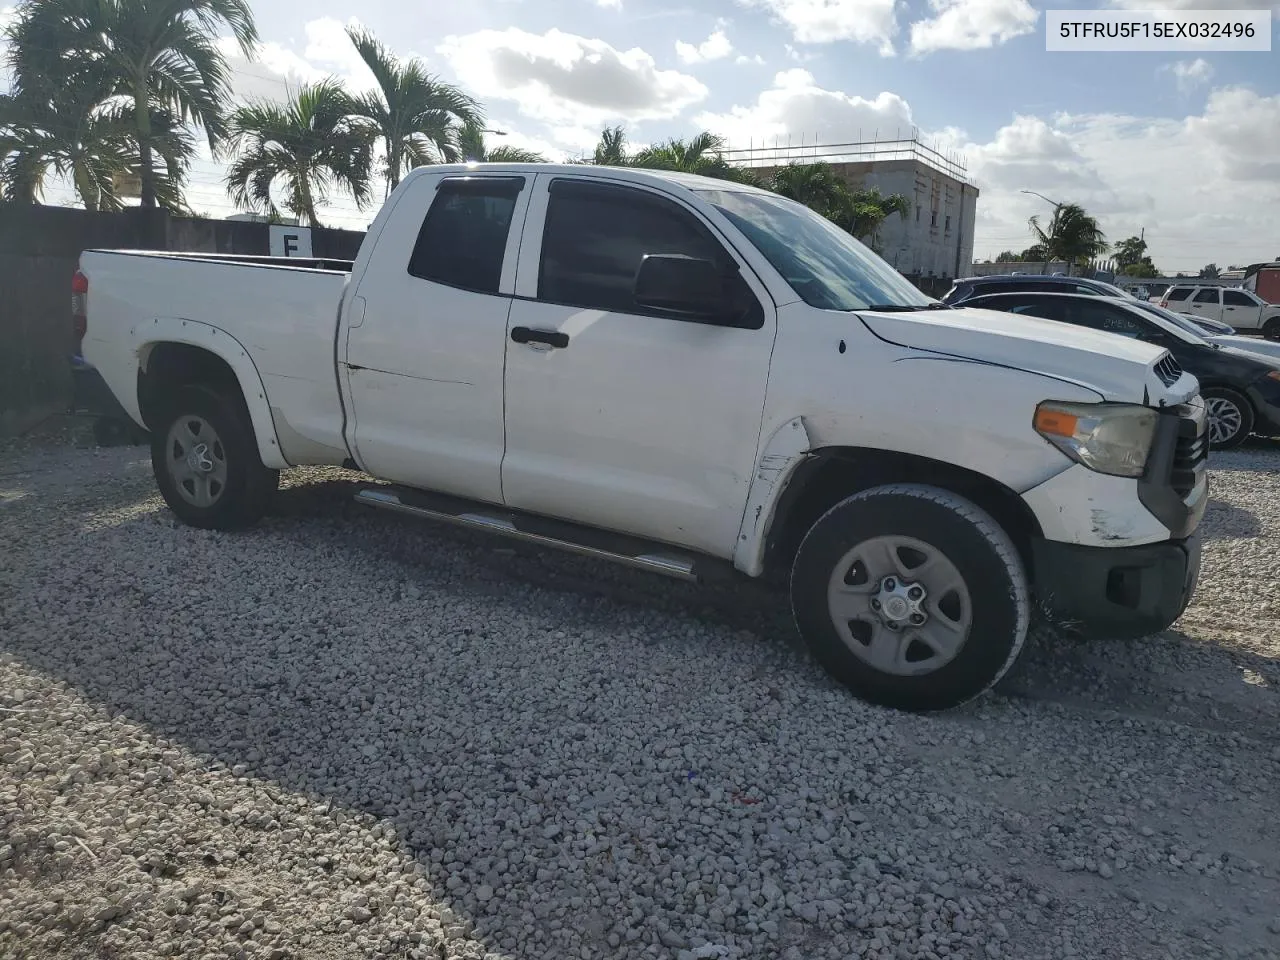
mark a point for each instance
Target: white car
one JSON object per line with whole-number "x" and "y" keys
{"x": 1242, "y": 309}
{"x": 692, "y": 377}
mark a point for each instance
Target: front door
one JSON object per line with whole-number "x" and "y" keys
{"x": 1240, "y": 309}
{"x": 630, "y": 418}
{"x": 425, "y": 344}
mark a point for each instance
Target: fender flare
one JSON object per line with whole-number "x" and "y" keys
{"x": 150, "y": 334}
{"x": 782, "y": 453}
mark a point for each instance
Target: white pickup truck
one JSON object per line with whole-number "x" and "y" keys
{"x": 688, "y": 376}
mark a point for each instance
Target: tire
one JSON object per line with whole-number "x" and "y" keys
{"x": 1230, "y": 417}
{"x": 893, "y": 525}
{"x": 206, "y": 462}
{"x": 1271, "y": 330}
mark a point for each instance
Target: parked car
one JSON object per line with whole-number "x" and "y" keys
{"x": 1241, "y": 390}
{"x": 692, "y": 377}
{"x": 1242, "y": 309}
{"x": 1268, "y": 349}
{"x": 967, "y": 288}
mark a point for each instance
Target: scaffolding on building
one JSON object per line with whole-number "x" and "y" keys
{"x": 780, "y": 153}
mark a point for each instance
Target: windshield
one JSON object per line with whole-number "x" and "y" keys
{"x": 824, "y": 265}
{"x": 1185, "y": 328}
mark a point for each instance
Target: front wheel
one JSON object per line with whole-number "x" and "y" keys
{"x": 206, "y": 461}
{"x": 911, "y": 596}
{"x": 1230, "y": 417}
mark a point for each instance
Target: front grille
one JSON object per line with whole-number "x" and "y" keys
{"x": 1191, "y": 453}
{"x": 1168, "y": 370}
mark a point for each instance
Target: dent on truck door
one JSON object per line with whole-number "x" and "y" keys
{"x": 617, "y": 415}
{"x": 424, "y": 368}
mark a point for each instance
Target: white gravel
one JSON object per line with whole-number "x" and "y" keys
{"x": 345, "y": 735}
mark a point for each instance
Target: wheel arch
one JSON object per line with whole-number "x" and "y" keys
{"x": 174, "y": 353}
{"x": 827, "y": 475}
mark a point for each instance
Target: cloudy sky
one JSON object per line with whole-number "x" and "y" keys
{"x": 1185, "y": 146}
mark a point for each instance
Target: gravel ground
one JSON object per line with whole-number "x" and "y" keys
{"x": 346, "y": 735}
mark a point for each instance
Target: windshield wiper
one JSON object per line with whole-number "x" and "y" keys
{"x": 906, "y": 307}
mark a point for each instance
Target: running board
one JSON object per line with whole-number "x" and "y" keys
{"x": 585, "y": 541}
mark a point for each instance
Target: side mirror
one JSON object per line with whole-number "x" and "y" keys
{"x": 681, "y": 284}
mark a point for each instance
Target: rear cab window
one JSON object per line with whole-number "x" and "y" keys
{"x": 463, "y": 238}
{"x": 1206, "y": 295}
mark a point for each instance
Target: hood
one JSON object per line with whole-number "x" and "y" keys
{"x": 1119, "y": 368}
{"x": 1251, "y": 348}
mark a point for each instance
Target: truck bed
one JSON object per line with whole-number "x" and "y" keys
{"x": 280, "y": 311}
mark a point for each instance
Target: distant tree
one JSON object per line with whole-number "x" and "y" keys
{"x": 1129, "y": 251}
{"x": 865, "y": 210}
{"x": 1035, "y": 253}
{"x": 702, "y": 154}
{"x": 1007, "y": 256}
{"x": 611, "y": 151}
{"x": 1209, "y": 271}
{"x": 816, "y": 185}
{"x": 1143, "y": 268}
{"x": 304, "y": 148}
{"x": 470, "y": 144}
{"x": 413, "y": 113}
{"x": 1071, "y": 235}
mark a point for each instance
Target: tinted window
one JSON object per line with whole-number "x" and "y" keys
{"x": 464, "y": 235}
{"x": 1102, "y": 316}
{"x": 596, "y": 235}
{"x": 1045, "y": 309}
{"x": 1234, "y": 298}
{"x": 1207, "y": 295}
{"x": 1178, "y": 293}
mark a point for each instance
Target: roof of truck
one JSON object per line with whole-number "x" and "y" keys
{"x": 689, "y": 181}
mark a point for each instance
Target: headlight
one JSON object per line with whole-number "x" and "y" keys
{"x": 1112, "y": 438}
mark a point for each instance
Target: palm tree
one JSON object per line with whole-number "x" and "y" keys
{"x": 160, "y": 54}
{"x": 611, "y": 151}
{"x": 702, "y": 154}
{"x": 412, "y": 112}
{"x": 1073, "y": 236}
{"x": 863, "y": 211}
{"x": 305, "y": 147}
{"x": 82, "y": 133}
{"x": 469, "y": 141}
{"x": 816, "y": 185}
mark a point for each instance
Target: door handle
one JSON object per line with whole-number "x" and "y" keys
{"x": 552, "y": 338}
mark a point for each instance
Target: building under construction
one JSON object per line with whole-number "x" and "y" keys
{"x": 933, "y": 244}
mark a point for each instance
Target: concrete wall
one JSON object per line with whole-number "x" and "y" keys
{"x": 39, "y": 249}
{"x": 934, "y": 242}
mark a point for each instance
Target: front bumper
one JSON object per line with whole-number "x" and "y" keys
{"x": 1117, "y": 592}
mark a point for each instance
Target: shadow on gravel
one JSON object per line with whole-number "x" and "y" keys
{"x": 670, "y": 753}
{"x": 1225, "y": 521}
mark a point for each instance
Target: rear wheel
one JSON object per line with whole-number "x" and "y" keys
{"x": 206, "y": 461}
{"x": 911, "y": 596}
{"x": 1272, "y": 329}
{"x": 1230, "y": 417}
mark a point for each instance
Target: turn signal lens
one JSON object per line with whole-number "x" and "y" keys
{"x": 1111, "y": 438}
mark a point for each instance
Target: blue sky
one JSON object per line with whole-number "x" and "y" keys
{"x": 1186, "y": 146}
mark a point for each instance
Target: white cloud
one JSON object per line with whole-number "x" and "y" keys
{"x": 825, "y": 21}
{"x": 1189, "y": 74}
{"x": 754, "y": 60}
{"x": 327, "y": 51}
{"x": 972, "y": 24}
{"x": 609, "y": 4}
{"x": 1203, "y": 187}
{"x": 714, "y": 47}
{"x": 561, "y": 78}
{"x": 1271, "y": 5}
{"x": 797, "y": 107}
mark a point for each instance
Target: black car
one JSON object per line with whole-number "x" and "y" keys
{"x": 966, "y": 288}
{"x": 1241, "y": 390}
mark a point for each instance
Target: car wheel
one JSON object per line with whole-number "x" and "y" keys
{"x": 911, "y": 596}
{"x": 1230, "y": 417}
{"x": 206, "y": 462}
{"x": 1272, "y": 329}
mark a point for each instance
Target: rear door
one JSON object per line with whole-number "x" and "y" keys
{"x": 425, "y": 343}
{"x": 619, "y": 415}
{"x": 1206, "y": 302}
